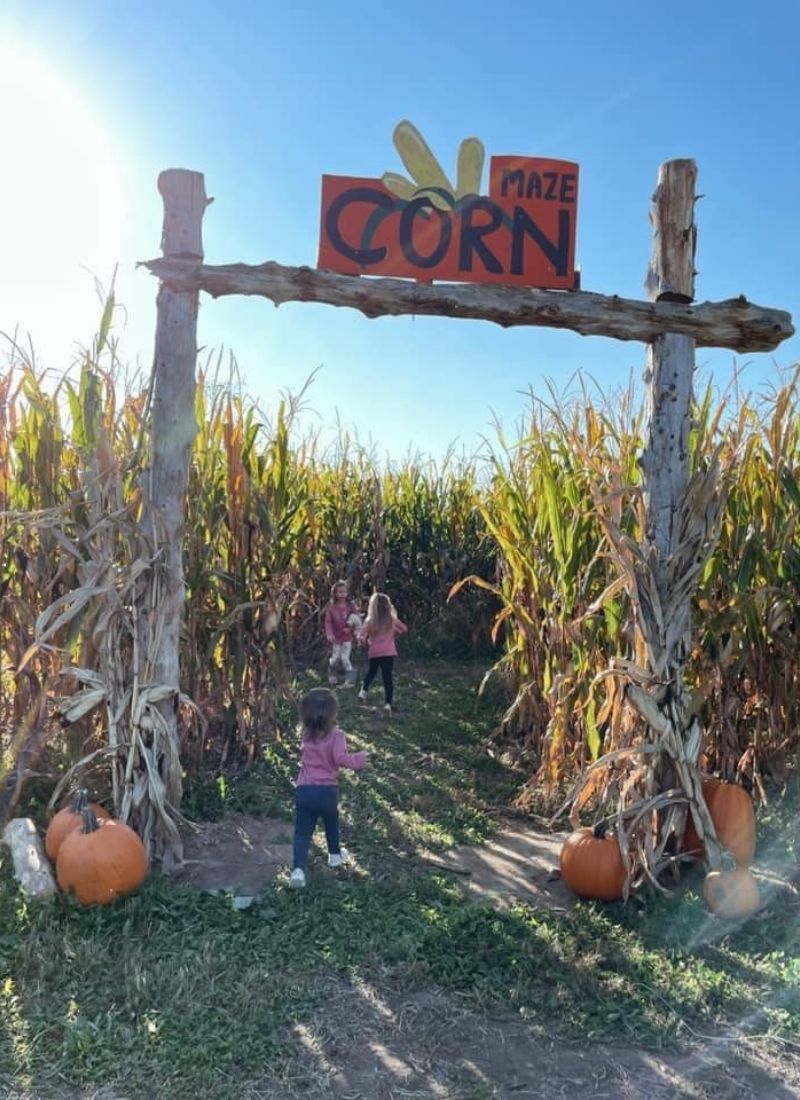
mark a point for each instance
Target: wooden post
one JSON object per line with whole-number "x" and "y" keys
{"x": 670, "y": 380}
{"x": 173, "y": 430}
{"x": 31, "y": 866}
{"x": 671, "y": 543}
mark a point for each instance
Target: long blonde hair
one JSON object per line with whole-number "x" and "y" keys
{"x": 381, "y": 615}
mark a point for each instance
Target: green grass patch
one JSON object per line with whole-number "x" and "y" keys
{"x": 177, "y": 993}
{"x": 430, "y": 782}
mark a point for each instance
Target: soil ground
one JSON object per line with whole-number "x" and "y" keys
{"x": 377, "y": 1044}
{"x": 385, "y": 1032}
{"x": 241, "y": 855}
{"x": 428, "y": 1047}
{"x": 378, "y": 1047}
{"x": 238, "y": 854}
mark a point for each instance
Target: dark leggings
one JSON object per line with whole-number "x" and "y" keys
{"x": 385, "y": 664}
{"x": 311, "y": 803}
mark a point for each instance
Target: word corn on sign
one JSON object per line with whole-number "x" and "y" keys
{"x": 426, "y": 228}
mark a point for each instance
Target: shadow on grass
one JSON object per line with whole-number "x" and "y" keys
{"x": 183, "y": 994}
{"x": 176, "y": 993}
{"x": 430, "y": 783}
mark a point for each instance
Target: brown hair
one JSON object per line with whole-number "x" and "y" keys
{"x": 338, "y": 585}
{"x": 381, "y": 615}
{"x": 317, "y": 714}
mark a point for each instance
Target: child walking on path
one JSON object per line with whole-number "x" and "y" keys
{"x": 341, "y": 621}
{"x": 324, "y": 752}
{"x": 380, "y": 629}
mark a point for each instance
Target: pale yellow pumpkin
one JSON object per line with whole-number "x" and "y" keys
{"x": 732, "y": 894}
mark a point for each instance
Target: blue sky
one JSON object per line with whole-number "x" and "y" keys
{"x": 264, "y": 98}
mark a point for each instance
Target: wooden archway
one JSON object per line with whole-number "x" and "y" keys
{"x": 680, "y": 523}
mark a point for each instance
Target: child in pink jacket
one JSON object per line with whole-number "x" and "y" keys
{"x": 380, "y": 629}
{"x": 324, "y": 752}
{"x": 341, "y": 621}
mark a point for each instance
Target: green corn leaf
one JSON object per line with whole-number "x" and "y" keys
{"x": 594, "y": 739}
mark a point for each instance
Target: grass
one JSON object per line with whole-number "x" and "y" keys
{"x": 177, "y": 993}
{"x": 431, "y": 780}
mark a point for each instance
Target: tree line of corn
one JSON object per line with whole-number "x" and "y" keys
{"x": 275, "y": 516}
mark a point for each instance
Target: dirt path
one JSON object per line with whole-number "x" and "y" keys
{"x": 242, "y": 855}
{"x": 517, "y": 864}
{"x": 380, "y": 1044}
{"x": 239, "y": 854}
{"x": 429, "y": 1046}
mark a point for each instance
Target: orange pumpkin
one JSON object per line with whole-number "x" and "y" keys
{"x": 591, "y": 864}
{"x": 732, "y": 894}
{"x": 731, "y": 809}
{"x": 102, "y": 861}
{"x": 67, "y": 820}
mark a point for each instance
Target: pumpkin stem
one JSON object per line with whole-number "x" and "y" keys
{"x": 80, "y": 800}
{"x": 90, "y": 822}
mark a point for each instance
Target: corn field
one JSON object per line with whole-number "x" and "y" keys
{"x": 273, "y": 519}
{"x": 566, "y": 616}
{"x": 506, "y": 556}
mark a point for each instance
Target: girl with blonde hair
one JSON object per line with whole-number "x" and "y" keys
{"x": 380, "y": 630}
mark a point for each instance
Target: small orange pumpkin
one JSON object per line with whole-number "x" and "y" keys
{"x": 67, "y": 820}
{"x": 591, "y": 864}
{"x": 732, "y": 894}
{"x": 102, "y": 861}
{"x": 731, "y": 809}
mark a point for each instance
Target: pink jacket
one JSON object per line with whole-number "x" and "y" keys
{"x": 337, "y": 628}
{"x": 384, "y": 645}
{"x": 321, "y": 760}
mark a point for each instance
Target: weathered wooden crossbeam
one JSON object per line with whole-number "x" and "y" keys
{"x": 735, "y": 323}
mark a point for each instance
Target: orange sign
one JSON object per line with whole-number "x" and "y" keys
{"x": 522, "y": 233}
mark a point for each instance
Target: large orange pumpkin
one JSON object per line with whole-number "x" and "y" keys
{"x": 102, "y": 861}
{"x": 732, "y": 894}
{"x": 68, "y": 819}
{"x": 591, "y": 864}
{"x": 731, "y": 809}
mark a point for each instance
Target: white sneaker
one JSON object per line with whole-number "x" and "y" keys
{"x": 297, "y": 879}
{"x": 387, "y": 707}
{"x": 339, "y": 860}
{"x": 362, "y": 696}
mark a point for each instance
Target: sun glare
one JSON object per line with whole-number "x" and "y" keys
{"x": 61, "y": 205}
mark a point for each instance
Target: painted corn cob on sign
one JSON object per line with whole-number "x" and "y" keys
{"x": 522, "y": 233}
